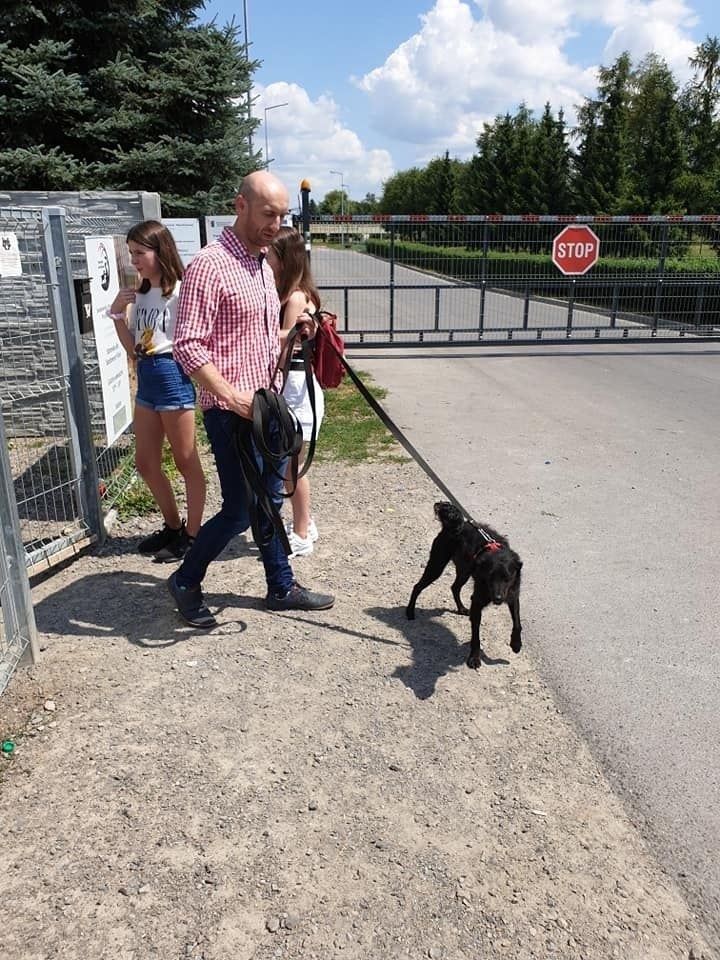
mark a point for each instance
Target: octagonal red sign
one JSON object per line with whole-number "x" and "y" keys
{"x": 575, "y": 249}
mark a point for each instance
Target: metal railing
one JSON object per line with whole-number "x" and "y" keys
{"x": 489, "y": 279}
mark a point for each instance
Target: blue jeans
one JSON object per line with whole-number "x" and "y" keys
{"x": 234, "y": 516}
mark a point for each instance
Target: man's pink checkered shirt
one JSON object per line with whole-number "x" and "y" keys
{"x": 228, "y": 315}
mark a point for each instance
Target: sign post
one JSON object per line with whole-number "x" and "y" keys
{"x": 575, "y": 250}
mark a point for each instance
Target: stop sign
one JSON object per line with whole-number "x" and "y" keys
{"x": 575, "y": 249}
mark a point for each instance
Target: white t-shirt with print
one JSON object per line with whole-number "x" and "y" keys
{"x": 152, "y": 320}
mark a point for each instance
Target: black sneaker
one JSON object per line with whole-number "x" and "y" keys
{"x": 176, "y": 549}
{"x": 157, "y": 541}
{"x": 190, "y": 604}
{"x": 299, "y": 598}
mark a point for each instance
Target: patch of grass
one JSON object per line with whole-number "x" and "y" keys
{"x": 351, "y": 430}
{"x": 136, "y": 500}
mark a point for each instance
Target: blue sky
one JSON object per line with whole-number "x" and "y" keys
{"x": 385, "y": 85}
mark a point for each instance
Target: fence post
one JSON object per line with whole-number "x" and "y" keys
{"x": 571, "y": 304}
{"x": 392, "y": 278}
{"x": 17, "y": 608}
{"x": 660, "y": 275}
{"x": 305, "y": 210}
{"x": 69, "y": 352}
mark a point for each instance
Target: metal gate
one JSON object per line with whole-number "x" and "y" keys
{"x": 51, "y": 424}
{"x": 18, "y": 637}
{"x": 416, "y": 280}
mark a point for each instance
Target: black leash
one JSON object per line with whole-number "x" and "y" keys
{"x": 306, "y": 353}
{"x": 400, "y": 436}
{"x": 306, "y": 350}
{"x": 257, "y": 434}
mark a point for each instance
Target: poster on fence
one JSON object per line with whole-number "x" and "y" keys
{"x": 112, "y": 359}
{"x": 10, "y": 265}
{"x": 214, "y": 226}
{"x": 186, "y": 234}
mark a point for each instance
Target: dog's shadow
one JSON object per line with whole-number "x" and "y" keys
{"x": 435, "y": 648}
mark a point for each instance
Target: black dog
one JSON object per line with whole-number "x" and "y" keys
{"x": 484, "y": 555}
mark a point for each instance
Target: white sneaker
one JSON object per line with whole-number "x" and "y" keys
{"x": 312, "y": 529}
{"x": 299, "y": 547}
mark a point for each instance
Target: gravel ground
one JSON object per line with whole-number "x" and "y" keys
{"x": 330, "y": 785}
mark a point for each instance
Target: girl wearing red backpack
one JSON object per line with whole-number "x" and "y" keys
{"x": 298, "y": 293}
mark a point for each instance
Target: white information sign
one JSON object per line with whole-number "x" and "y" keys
{"x": 114, "y": 377}
{"x": 10, "y": 265}
{"x": 186, "y": 234}
{"x": 214, "y": 226}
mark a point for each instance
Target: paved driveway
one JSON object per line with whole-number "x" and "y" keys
{"x": 602, "y": 464}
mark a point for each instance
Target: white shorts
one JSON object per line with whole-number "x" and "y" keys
{"x": 298, "y": 399}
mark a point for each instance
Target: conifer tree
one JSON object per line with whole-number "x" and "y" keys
{"x": 133, "y": 95}
{"x": 603, "y": 158}
{"x": 655, "y": 136}
{"x": 551, "y": 162}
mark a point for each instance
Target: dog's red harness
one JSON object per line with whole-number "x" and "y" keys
{"x": 492, "y": 545}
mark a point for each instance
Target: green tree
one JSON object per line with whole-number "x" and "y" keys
{"x": 502, "y": 177}
{"x": 439, "y": 183}
{"x": 335, "y": 202}
{"x": 489, "y": 181}
{"x": 704, "y": 103}
{"x": 550, "y": 159}
{"x": 697, "y": 189}
{"x": 639, "y": 146}
{"x": 655, "y": 139}
{"x": 124, "y": 95}
{"x": 603, "y": 160}
{"x": 369, "y": 204}
{"x": 403, "y": 193}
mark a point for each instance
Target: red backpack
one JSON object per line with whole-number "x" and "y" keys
{"x": 328, "y": 351}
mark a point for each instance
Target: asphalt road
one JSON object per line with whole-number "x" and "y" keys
{"x": 601, "y": 464}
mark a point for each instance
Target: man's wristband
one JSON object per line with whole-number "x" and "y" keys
{"x": 114, "y": 316}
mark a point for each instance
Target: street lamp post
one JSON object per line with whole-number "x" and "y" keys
{"x": 248, "y": 104}
{"x": 273, "y": 106}
{"x": 339, "y": 173}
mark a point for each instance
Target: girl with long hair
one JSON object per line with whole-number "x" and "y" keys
{"x": 144, "y": 319}
{"x": 298, "y": 293}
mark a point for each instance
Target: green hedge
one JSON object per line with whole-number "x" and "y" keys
{"x": 687, "y": 291}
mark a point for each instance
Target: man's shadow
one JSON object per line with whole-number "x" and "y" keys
{"x": 131, "y": 604}
{"x": 435, "y": 648}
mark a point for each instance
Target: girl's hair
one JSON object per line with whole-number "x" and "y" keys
{"x": 157, "y": 237}
{"x": 295, "y": 273}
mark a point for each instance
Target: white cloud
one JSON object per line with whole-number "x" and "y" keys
{"x": 306, "y": 140}
{"x": 459, "y": 71}
{"x": 470, "y": 62}
{"x": 662, "y": 26}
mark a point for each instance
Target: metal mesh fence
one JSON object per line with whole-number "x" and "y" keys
{"x": 54, "y": 455}
{"x": 47, "y": 369}
{"x": 500, "y": 278}
{"x": 34, "y": 397}
{"x": 17, "y": 621}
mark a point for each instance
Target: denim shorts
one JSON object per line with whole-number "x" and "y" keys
{"x": 162, "y": 384}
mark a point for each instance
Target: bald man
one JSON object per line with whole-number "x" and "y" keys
{"x": 227, "y": 338}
